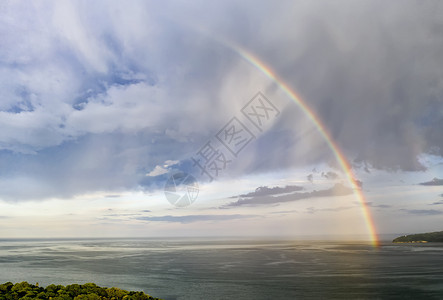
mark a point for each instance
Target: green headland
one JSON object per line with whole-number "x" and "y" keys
{"x": 90, "y": 291}
{"x": 431, "y": 237}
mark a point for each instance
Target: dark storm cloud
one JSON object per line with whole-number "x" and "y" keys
{"x": 329, "y": 175}
{"x": 337, "y": 190}
{"x": 369, "y": 70}
{"x": 433, "y": 182}
{"x": 266, "y": 191}
{"x": 310, "y": 178}
{"x": 371, "y": 204}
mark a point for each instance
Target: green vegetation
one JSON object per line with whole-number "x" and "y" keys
{"x": 421, "y": 238}
{"x": 87, "y": 291}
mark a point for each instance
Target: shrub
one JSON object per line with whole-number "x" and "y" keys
{"x": 87, "y": 291}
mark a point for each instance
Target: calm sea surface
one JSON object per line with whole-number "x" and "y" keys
{"x": 199, "y": 269}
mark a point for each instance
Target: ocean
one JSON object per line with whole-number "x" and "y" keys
{"x": 231, "y": 269}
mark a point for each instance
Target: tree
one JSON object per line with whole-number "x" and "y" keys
{"x": 87, "y": 291}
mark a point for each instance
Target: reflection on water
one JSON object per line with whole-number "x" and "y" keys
{"x": 199, "y": 269}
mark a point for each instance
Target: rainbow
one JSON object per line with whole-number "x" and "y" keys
{"x": 341, "y": 159}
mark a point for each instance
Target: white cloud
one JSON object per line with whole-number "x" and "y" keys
{"x": 158, "y": 170}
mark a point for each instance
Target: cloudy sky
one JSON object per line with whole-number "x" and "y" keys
{"x": 100, "y": 103}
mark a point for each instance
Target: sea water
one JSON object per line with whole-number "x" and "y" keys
{"x": 231, "y": 269}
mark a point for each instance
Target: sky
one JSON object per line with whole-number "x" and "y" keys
{"x": 101, "y": 103}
